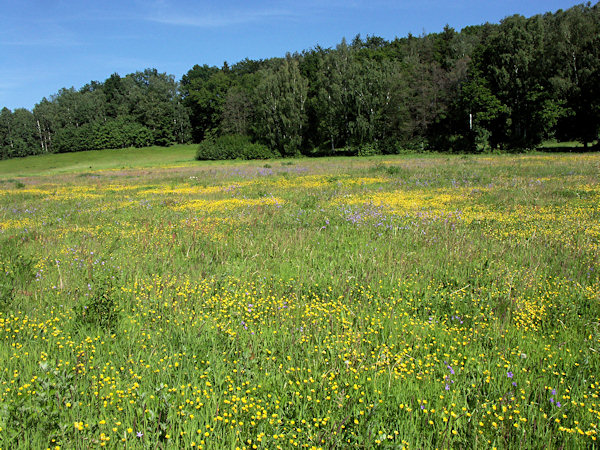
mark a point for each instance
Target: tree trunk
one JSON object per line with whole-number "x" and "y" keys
{"x": 41, "y": 137}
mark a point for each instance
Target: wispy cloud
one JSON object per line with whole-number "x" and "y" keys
{"x": 38, "y": 35}
{"x": 39, "y": 42}
{"x": 165, "y": 13}
{"x": 170, "y": 13}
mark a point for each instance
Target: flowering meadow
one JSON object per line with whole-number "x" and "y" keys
{"x": 416, "y": 302}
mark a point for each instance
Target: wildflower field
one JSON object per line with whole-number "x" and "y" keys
{"x": 418, "y": 302}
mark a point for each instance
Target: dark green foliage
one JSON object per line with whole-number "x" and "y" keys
{"x": 574, "y": 50}
{"x": 158, "y": 107}
{"x": 511, "y": 62}
{"x": 121, "y": 132}
{"x": 42, "y": 411}
{"x": 99, "y": 307}
{"x": 281, "y": 107}
{"x": 238, "y": 112}
{"x": 367, "y": 150}
{"x": 233, "y": 147}
{"x": 18, "y": 133}
{"x": 204, "y": 92}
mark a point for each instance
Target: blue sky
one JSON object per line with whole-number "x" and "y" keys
{"x": 49, "y": 44}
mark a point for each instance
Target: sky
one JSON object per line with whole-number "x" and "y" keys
{"x": 46, "y": 45}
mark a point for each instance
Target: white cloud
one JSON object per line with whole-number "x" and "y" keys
{"x": 38, "y": 35}
{"x": 217, "y": 20}
{"x": 163, "y": 11}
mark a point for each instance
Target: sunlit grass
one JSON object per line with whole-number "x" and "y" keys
{"x": 97, "y": 160}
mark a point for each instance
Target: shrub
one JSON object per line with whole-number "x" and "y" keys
{"x": 367, "y": 150}
{"x": 100, "y": 309}
{"x": 73, "y": 139}
{"x": 16, "y": 271}
{"x": 233, "y": 147}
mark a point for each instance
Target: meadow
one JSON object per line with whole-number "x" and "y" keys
{"x": 395, "y": 302}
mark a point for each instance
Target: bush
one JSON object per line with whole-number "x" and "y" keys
{"x": 368, "y": 150}
{"x": 73, "y": 139}
{"x": 101, "y": 306}
{"x": 120, "y": 133}
{"x": 16, "y": 271}
{"x": 233, "y": 147}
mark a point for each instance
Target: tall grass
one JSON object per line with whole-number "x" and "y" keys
{"x": 388, "y": 301}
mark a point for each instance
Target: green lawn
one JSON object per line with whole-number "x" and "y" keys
{"x": 126, "y": 158}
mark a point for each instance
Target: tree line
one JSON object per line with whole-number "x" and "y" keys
{"x": 502, "y": 86}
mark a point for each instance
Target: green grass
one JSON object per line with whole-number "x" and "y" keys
{"x": 551, "y": 145}
{"x": 554, "y": 144}
{"x": 126, "y": 158}
{"x": 137, "y": 158}
{"x": 424, "y": 301}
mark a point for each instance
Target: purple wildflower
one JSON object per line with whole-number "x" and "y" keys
{"x": 509, "y": 374}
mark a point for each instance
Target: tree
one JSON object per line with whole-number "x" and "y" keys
{"x": 115, "y": 94}
{"x": 281, "y": 107}
{"x": 23, "y": 139}
{"x": 204, "y": 90}
{"x": 333, "y": 98}
{"x": 353, "y": 97}
{"x": 512, "y": 63}
{"x": 6, "y": 138}
{"x": 158, "y": 106}
{"x": 371, "y": 93}
{"x": 572, "y": 50}
{"x": 46, "y": 115}
{"x": 237, "y": 113}
{"x": 482, "y": 118}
